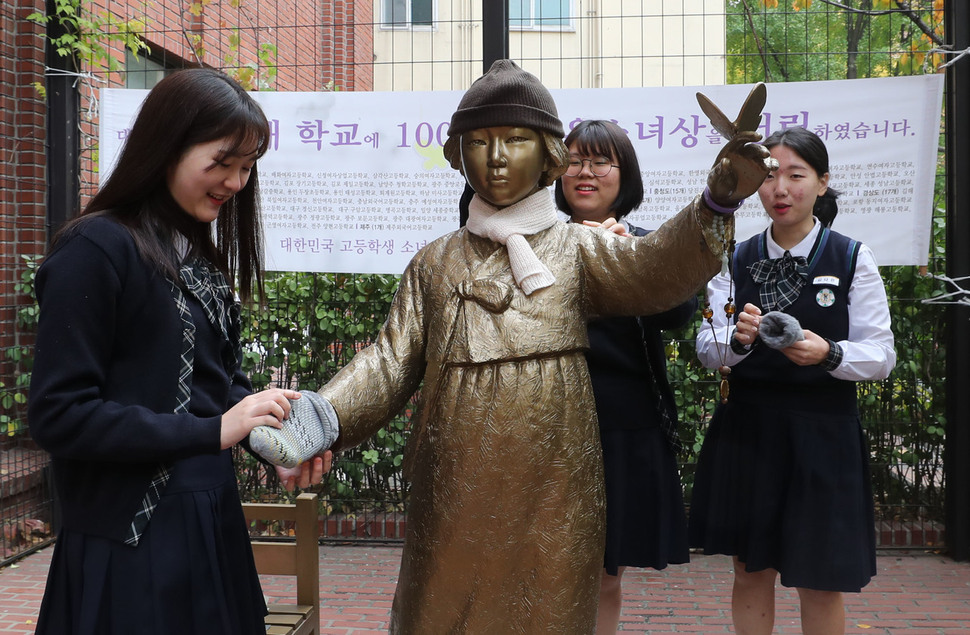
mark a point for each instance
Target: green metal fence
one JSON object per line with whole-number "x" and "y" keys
{"x": 313, "y": 323}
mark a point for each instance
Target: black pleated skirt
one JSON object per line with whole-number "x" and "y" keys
{"x": 192, "y": 571}
{"x": 646, "y": 525}
{"x": 788, "y": 489}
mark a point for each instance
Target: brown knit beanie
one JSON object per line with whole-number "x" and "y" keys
{"x": 506, "y": 96}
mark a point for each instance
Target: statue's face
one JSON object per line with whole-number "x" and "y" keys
{"x": 503, "y": 164}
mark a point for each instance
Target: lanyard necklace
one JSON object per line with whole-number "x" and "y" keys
{"x": 727, "y": 267}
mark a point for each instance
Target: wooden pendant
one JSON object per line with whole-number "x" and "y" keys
{"x": 725, "y": 386}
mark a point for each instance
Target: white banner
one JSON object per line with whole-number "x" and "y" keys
{"x": 355, "y": 182}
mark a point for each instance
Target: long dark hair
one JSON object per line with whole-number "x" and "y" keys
{"x": 185, "y": 109}
{"x": 605, "y": 138}
{"x": 811, "y": 148}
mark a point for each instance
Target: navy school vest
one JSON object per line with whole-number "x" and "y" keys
{"x": 822, "y": 307}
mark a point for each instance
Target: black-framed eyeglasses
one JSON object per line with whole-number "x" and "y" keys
{"x": 599, "y": 167}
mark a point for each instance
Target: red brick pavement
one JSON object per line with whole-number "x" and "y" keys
{"x": 915, "y": 593}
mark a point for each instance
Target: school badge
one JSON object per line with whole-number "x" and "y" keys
{"x": 825, "y": 297}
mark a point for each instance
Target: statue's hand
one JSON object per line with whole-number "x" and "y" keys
{"x": 742, "y": 164}
{"x": 610, "y": 225}
{"x": 739, "y": 169}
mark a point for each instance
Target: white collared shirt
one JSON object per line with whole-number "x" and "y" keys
{"x": 869, "y": 352}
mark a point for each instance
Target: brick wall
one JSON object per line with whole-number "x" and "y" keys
{"x": 347, "y": 55}
{"x": 22, "y": 166}
{"x": 317, "y": 45}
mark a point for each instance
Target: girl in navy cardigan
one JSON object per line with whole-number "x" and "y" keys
{"x": 137, "y": 391}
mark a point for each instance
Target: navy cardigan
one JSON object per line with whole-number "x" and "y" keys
{"x": 103, "y": 388}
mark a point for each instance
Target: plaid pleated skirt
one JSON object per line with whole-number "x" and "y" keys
{"x": 192, "y": 571}
{"x": 785, "y": 484}
{"x": 646, "y": 525}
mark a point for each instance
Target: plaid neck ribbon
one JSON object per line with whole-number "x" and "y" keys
{"x": 207, "y": 285}
{"x": 212, "y": 291}
{"x": 781, "y": 280}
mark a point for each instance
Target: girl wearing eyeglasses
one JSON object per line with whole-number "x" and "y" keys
{"x": 645, "y": 521}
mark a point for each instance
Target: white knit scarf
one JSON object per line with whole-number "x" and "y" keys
{"x": 509, "y": 226}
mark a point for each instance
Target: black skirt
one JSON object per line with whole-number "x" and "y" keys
{"x": 646, "y": 525}
{"x": 789, "y": 490}
{"x": 192, "y": 571}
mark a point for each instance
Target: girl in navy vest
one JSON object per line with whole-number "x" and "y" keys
{"x": 782, "y": 482}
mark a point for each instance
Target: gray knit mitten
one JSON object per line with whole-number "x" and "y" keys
{"x": 310, "y": 429}
{"x": 779, "y": 330}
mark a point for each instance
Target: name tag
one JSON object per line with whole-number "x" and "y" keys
{"x": 829, "y": 281}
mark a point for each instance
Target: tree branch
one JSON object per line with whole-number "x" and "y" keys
{"x": 839, "y": 5}
{"x": 757, "y": 40}
{"x": 904, "y": 8}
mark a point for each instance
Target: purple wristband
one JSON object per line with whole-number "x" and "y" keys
{"x": 719, "y": 209}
